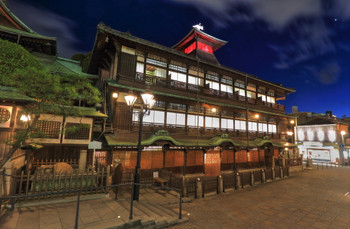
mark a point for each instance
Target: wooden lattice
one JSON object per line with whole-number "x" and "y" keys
{"x": 49, "y": 129}
{"x": 4, "y": 115}
{"x": 77, "y": 131}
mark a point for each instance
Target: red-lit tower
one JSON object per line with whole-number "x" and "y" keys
{"x": 200, "y": 45}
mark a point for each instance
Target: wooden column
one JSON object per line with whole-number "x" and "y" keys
{"x": 185, "y": 163}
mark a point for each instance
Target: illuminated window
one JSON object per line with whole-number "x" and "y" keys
{"x": 310, "y": 135}
{"x": 263, "y": 97}
{"x": 240, "y": 125}
{"x": 140, "y": 67}
{"x": 155, "y": 71}
{"x": 272, "y": 128}
{"x": 226, "y": 88}
{"x": 270, "y": 99}
{"x": 320, "y": 135}
{"x": 213, "y": 85}
{"x": 177, "y": 119}
{"x": 195, "y": 120}
{"x": 226, "y": 124}
{"x": 211, "y": 122}
{"x": 156, "y": 117}
{"x": 262, "y": 127}
{"x": 252, "y": 126}
{"x": 195, "y": 80}
{"x": 177, "y": 76}
{"x": 331, "y": 135}
{"x": 240, "y": 92}
{"x": 251, "y": 94}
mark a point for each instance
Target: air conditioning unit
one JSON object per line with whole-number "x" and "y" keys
{"x": 5, "y": 116}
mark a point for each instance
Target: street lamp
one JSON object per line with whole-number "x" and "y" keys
{"x": 342, "y": 133}
{"x": 148, "y": 102}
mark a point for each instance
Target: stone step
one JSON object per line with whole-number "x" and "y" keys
{"x": 137, "y": 213}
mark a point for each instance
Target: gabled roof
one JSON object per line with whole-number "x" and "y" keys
{"x": 319, "y": 121}
{"x": 194, "y": 33}
{"x": 62, "y": 65}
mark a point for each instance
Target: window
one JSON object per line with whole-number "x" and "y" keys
{"x": 155, "y": 71}
{"x": 252, "y": 126}
{"x": 240, "y": 84}
{"x": 263, "y": 97}
{"x": 226, "y": 88}
{"x": 195, "y": 71}
{"x": 77, "y": 131}
{"x": 251, "y": 94}
{"x": 177, "y": 68}
{"x": 177, "y": 76}
{"x": 240, "y": 92}
{"x": 49, "y": 129}
{"x": 177, "y": 106}
{"x": 213, "y": 85}
{"x": 160, "y": 104}
{"x": 195, "y": 80}
{"x": 195, "y": 120}
{"x": 262, "y": 127}
{"x": 140, "y": 67}
{"x": 212, "y": 76}
{"x": 156, "y": 62}
{"x": 156, "y": 117}
{"x": 226, "y": 124}
{"x": 211, "y": 122}
{"x": 226, "y": 80}
{"x": 177, "y": 119}
{"x": 270, "y": 99}
{"x": 262, "y": 90}
{"x": 272, "y": 128}
{"x": 240, "y": 125}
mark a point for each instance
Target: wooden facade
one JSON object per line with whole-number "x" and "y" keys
{"x": 198, "y": 101}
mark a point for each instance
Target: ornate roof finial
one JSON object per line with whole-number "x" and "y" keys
{"x": 199, "y": 27}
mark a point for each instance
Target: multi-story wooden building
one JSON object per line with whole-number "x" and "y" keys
{"x": 207, "y": 117}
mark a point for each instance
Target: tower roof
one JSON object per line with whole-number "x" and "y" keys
{"x": 195, "y": 33}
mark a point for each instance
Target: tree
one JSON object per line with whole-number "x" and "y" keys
{"x": 53, "y": 93}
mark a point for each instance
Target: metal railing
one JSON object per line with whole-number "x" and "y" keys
{"x": 16, "y": 198}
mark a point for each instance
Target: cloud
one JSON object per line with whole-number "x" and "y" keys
{"x": 276, "y": 13}
{"x": 48, "y": 23}
{"x": 308, "y": 40}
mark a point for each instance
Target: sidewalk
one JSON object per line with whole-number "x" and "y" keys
{"x": 158, "y": 208}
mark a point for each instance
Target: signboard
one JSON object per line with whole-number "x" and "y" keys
{"x": 95, "y": 145}
{"x": 341, "y": 146}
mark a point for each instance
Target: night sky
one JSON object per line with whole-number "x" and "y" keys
{"x": 303, "y": 44}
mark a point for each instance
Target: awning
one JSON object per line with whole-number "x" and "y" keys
{"x": 163, "y": 137}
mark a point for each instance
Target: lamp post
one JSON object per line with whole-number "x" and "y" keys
{"x": 148, "y": 102}
{"x": 342, "y": 133}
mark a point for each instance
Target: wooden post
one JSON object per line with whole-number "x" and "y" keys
{"x": 220, "y": 185}
{"x": 185, "y": 162}
{"x": 199, "y": 189}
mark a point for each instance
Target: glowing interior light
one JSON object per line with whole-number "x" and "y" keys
{"x": 310, "y": 135}
{"x": 342, "y": 132}
{"x": 320, "y": 135}
{"x": 147, "y": 98}
{"x": 257, "y": 116}
{"x": 301, "y": 135}
{"x": 25, "y": 118}
{"x": 291, "y": 121}
{"x": 331, "y": 135}
{"x": 213, "y": 110}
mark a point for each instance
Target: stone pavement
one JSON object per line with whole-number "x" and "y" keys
{"x": 309, "y": 199}
{"x": 156, "y": 208}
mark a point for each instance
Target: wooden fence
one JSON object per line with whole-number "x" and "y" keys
{"x": 38, "y": 183}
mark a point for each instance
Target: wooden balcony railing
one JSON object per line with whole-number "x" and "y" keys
{"x": 155, "y": 80}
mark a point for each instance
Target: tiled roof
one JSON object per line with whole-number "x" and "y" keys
{"x": 11, "y": 94}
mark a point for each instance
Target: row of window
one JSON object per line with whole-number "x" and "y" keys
{"x": 156, "y": 66}
{"x": 179, "y": 119}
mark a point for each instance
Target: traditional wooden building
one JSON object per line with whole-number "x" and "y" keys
{"x": 207, "y": 117}
{"x": 56, "y": 145}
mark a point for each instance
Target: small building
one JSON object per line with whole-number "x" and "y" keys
{"x": 323, "y": 137}
{"x": 207, "y": 117}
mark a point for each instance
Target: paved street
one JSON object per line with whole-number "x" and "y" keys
{"x": 309, "y": 199}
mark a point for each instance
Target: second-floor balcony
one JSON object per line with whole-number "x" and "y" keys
{"x": 168, "y": 83}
